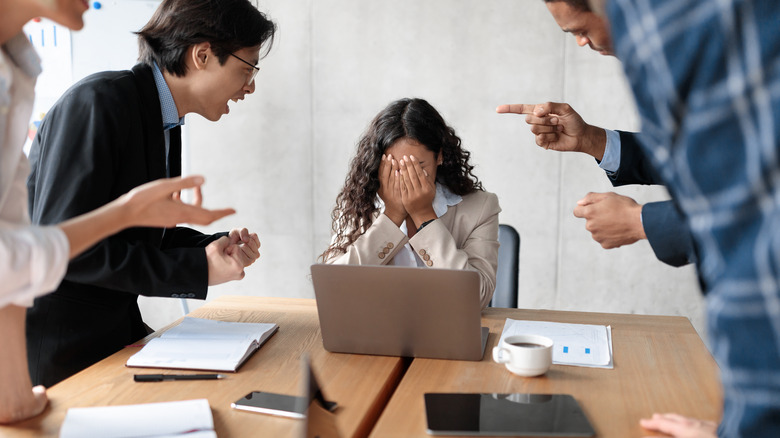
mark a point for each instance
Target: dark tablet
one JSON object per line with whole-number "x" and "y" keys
{"x": 506, "y": 414}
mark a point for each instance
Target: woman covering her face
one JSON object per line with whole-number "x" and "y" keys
{"x": 411, "y": 199}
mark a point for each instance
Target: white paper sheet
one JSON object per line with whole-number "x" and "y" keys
{"x": 573, "y": 344}
{"x": 189, "y": 418}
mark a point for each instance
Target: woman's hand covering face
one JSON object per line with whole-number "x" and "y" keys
{"x": 390, "y": 189}
{"x": 417, "y": 190}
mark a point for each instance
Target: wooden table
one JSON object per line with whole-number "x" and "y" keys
{"x": 360, "y": 384}
{"x": 660, "y": 365}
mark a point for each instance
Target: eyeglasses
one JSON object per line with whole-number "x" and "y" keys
{"x": 254, "y": 71}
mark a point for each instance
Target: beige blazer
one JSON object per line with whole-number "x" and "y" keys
{"x": 465, "y": 237}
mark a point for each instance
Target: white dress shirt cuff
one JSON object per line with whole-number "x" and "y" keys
{"x": 37, "y": 259}
{"x": 611, "y": 160}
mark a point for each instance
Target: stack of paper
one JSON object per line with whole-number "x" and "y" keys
{"x": 190, "y": 418}
{"x": 204, "y": 344}
{"x": 573, "y": 344}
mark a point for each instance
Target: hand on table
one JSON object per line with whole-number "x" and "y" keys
{"x": 390, "y": 189}
{"x": 613, "y": 220}
{"x": 23, "y": 406}
{"x": 679, "y": 426}
{"x": 18, "y": 399}
{"x": 558, "y": 127}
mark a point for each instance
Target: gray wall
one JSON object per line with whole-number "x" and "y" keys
{"x": 280, "y": 157}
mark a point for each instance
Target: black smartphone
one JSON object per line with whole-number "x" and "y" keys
{"x": 273, "y": 404}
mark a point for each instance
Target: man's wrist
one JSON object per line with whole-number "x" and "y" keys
{"x": 594, "y": 142}
{"x": 641, "y": 231}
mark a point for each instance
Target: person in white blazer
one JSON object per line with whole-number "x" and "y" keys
{"x": 411, "y": 199}
{"x": 33, "y": 259}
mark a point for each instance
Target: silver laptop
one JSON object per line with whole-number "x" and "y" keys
{"x": 400, "y": 311}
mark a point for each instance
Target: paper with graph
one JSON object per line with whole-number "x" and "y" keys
{"x": 573, "y": 344}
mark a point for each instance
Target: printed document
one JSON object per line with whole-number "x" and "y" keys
{"x": 573, "y": 344}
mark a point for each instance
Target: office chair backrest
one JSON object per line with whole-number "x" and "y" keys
{"x": 505, "y": 294}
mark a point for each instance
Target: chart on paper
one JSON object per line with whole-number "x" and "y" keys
{"x": 574, "y": 344}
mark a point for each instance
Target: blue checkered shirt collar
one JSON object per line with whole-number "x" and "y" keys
{"x": 170, "y": 114}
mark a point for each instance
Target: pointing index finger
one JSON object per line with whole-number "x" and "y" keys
{"x": 516, "y": 108}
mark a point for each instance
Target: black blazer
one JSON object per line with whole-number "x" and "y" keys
{"x": 101, "y": 139}
{"x": 664, "y": 225}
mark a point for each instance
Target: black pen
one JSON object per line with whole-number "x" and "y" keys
{"x": 165, "y": 377}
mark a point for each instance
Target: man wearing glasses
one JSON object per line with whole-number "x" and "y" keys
{"x": 116, "y": 130}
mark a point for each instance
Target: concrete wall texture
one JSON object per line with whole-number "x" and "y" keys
{"x": 281, "y": 155}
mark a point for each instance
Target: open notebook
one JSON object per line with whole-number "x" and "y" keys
{"x": 204, "y": 344}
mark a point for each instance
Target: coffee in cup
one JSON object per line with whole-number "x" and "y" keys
{"x": 525, "y": 355}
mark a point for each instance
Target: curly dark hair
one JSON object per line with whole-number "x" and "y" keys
{"x": 414, "y": 119}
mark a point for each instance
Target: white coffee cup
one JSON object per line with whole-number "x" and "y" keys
{"x": 525, "y": 355}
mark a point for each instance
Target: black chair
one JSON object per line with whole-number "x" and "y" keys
{"x": 505, "y": 294}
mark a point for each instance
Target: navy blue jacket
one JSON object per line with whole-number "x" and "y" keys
{"x": 664, "y": 225}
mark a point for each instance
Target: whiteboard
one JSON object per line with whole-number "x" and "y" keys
{"x": 107, "y": 41}
{"x": 52, "y": 43}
